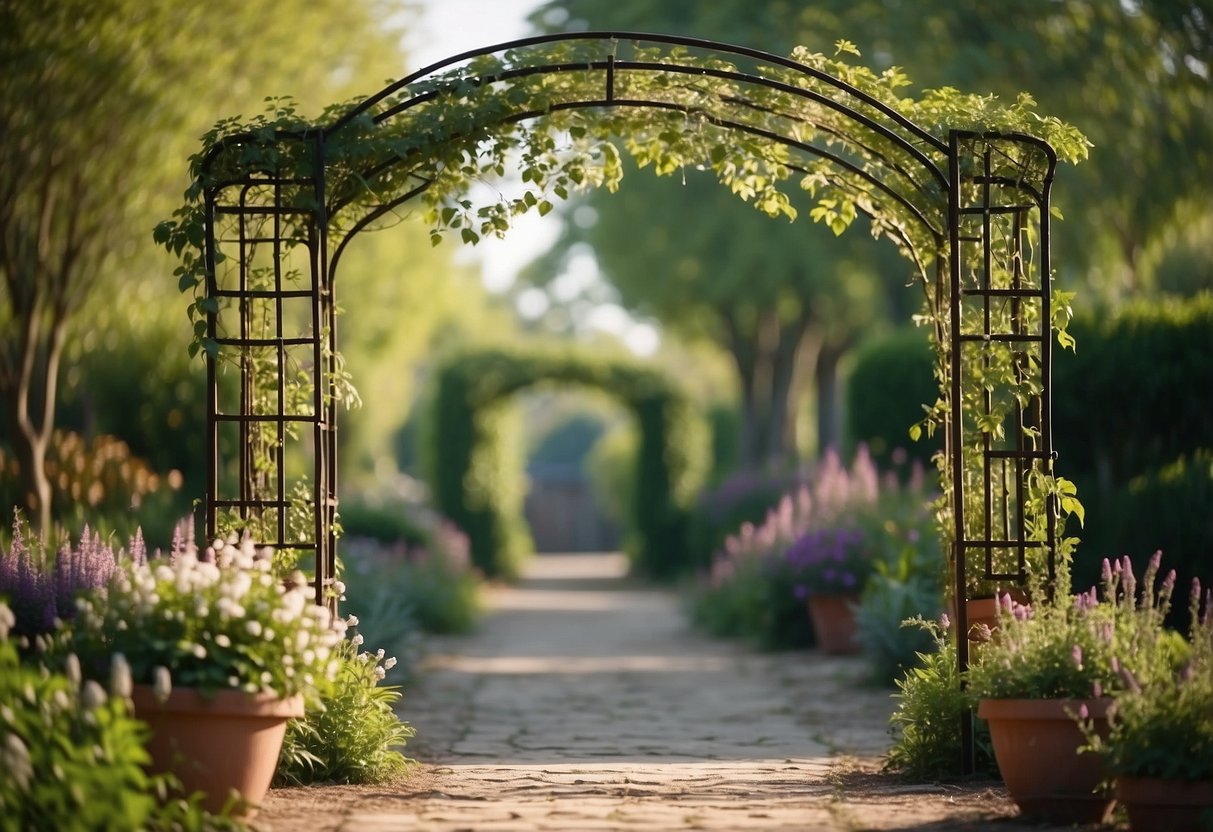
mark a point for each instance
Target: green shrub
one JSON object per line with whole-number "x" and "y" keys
{"x": 891, "y": 380}
{"x": 611, "y": 470}
{"x": 742, "y": 497}
{"x": 474, "y": 466}
{"x": 1133, "y": 396}
{"x": 906, "y": 585}
{"x": 71, "y": 756}
{"x": 352, "y": 734}
{"x": 1167, "y": 509}
{"x": 926, "y": 724}
{"x": 392, "y": 588}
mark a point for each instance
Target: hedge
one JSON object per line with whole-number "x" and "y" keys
{"x": 473, "y": 461}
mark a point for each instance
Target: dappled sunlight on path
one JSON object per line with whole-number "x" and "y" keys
{"x": 585, "y": 701}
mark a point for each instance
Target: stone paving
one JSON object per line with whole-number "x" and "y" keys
{"x": 586, "y": 703}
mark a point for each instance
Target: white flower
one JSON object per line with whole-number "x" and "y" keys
{"x": 352, "y": 621}
{"x": 389, "y": 663}
{"x": 357, "y": 639}
{"x": 120, "y": 676}
{"x": 72, "y": 670}
{"x": 92, "y": 696}
{"x": 162, "y": 683}
{"x": 253, "y": 627}
{"x": 222, "y": 640}
{"x": 379, "y": 673}
{"x": 15, "y": 757}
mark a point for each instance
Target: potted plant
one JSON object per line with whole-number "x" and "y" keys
{"x": 221, "y": 652}
{"x": 1059, "y": 661}
{"x": 1159, "y": 745}
{"x": 830, "y": 566}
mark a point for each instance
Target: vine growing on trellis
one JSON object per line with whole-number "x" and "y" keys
{"x": 774, "y": 131}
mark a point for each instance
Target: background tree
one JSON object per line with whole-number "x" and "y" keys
{"x": 102, "y": 103}
{"x": 785, "y": 302}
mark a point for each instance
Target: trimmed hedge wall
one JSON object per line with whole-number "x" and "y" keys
{"x": 891, "y": 380}
{"x": 474, "y": 464}
{"x": 1133, "y": 424}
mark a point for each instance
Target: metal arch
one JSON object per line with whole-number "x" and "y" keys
{"x": 975, "y": 204}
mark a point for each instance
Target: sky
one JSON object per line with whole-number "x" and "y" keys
{"x": 449, "y": 27}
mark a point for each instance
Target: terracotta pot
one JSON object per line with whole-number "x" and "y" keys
{"x": 1158, "y": 805}
{"x": 1036, "y": 744}
{"x": 219, "y": 743}
{"x": 833, "y": 619}
{"x": 985, "y": 611}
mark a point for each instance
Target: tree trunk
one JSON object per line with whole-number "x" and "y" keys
{"x": 829, "y": 401}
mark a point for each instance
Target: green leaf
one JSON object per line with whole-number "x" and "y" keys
{"x": 544, "y": 208}
{"x": 915, "y": 432}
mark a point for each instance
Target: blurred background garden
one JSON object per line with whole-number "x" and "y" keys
{"x": 793, "y": 349}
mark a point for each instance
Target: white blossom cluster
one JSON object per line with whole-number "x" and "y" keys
{"x": 219, "y": 620}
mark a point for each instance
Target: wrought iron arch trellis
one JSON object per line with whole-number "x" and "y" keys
{"x": 275, "y": 234}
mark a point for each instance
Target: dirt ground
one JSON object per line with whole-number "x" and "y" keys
{"x": 584, "y": 702}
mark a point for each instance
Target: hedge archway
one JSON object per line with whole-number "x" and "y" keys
{"x": 475, "y": 481}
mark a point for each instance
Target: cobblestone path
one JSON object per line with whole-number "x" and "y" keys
{"x": 586, "y": 703}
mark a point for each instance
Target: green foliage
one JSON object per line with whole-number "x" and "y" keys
{"x": 1165, "y": 728}
{"x": 889, "y": 385}
{"x": 931, "y": 703}
{"x": 757, "y": 584}
{"x": 1075, "y": 648}
{"x": 394, "y": 588}
{"x": 218, "y": 622}
{"x": 475, "y": 477}
{"x": 1132, "y": 397}
{"x": 352, "y": 735}
{"x": 72, "y": 756}
{"x": 906, "y": 585}
{"x": 611, "y": 468}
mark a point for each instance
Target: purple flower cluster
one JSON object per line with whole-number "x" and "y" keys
{"x": 41, "y": 589}
{"x": 829, "y": 560}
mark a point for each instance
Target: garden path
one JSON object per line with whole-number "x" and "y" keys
{"x": 586, "y": 702}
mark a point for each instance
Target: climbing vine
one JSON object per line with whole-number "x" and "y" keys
{"x": 776, "y": 131}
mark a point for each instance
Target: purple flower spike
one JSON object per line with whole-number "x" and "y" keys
{"x": 1076, "y": 654}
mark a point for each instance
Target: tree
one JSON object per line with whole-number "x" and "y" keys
{"x": 101, "y": 102}
{"x": 785, "y": 302}
{"x": 1134, "y": 76}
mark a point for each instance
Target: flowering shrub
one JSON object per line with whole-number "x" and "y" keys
{"x": 1165, "y": 728}
{"x": 1081, "y": 647}
{"x": 41, "y": 589}
{"x": 835, "y": 560}
{"x": 219, "y": 621}
{"x": 759, "y": 579}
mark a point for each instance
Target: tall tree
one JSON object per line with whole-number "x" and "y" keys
{"x": 786, "y": 302}
{"x": 101, "y": 103}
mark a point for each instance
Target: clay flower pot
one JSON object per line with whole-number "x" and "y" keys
{"x": 1158, "y": 805}
{"x": 833, "y": 619}
{"x": 217, "y": 744}
{"x": 1036, "y": 744}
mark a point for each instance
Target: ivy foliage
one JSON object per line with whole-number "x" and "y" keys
{"x": 562, "y": 111}
{"x": 475, "y": 471}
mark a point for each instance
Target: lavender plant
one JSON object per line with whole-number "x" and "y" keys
{"x": 1082, "y": 646}
{"x": 1164, "y": 728}
{"x": 42, "y": 589}
{"x": 758, "y": 580}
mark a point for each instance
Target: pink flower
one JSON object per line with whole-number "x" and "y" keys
{"x": 1077, "y": 656}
